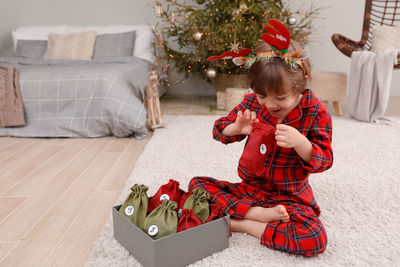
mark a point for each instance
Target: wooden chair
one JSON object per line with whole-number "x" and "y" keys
{"x": 377, "y": 12}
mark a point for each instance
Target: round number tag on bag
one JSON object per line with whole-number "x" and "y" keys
{"x": 129, "y": 210}
{"x": 164, "y": 197}
{"x": 179, "y": 212}
{"x": 263, "y": 149}
{"x": 153, "y": 230}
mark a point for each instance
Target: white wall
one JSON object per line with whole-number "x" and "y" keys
{"x": 16, "y": 13}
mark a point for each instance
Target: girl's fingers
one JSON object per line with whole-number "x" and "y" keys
{"x": 281, "y": 127}
{"x": 280, "y": 138}
{"x": 281, "y": 144}
{"x": 253, "y": 116}
{"x": 247, "y": 114}
{"x": 279, "y": 132}
{"x": 240, "y": 113}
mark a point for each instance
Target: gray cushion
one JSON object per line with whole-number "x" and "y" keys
{"x": 31, "y": 48}
{"x": 114, "y": 45}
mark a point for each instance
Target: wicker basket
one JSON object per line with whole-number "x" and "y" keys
{"x": 224, "y": 81}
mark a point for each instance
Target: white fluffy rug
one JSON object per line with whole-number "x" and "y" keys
{"x": 359, "y": 196}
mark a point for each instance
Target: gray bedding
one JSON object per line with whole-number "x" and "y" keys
{"x": 81, "y": 98}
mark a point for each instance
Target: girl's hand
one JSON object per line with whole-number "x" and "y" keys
{"x": 287, "y": 136}
{"x": 244, "y": 121}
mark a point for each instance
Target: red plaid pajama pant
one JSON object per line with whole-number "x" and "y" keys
{"x": 304, "y": 234}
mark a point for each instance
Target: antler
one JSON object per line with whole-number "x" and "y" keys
{"x": 278, "y": 38}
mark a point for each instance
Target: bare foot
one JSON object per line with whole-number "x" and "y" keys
{"x": 254, "y": 228}
{"x": 261, "y": 214}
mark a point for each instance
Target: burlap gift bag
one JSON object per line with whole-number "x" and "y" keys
{"x": 169, "y": 191}
{"x": 216, "y": 212}
{"x": 198, "y": 202}
{"x": 162, "y": 221}
{"x": 188, "y": 220}
{"x": 135, "y": 205}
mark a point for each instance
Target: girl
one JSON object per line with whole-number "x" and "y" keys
{"x": 289, "y": 136}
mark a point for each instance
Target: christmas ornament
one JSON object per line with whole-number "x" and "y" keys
{"x": 211, "y": 73}
{"x": 292, "y": 20}
{"x": 197, "y": 36}
{"x": 159, "y": 9}
{"x": 234, "y": 47}
{"x": 243, "y": 7}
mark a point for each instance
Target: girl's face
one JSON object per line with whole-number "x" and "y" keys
{"x": 279, "y": 106}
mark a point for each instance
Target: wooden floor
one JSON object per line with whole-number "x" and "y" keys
{"x": 56, "y": 194}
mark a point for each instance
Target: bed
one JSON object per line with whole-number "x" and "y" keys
{"x": 69, "y": 97}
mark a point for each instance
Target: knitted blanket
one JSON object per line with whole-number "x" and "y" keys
{"x": 11, "y": 105}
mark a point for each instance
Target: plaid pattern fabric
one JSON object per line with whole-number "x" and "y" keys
{"x": 304, "y": 234}
{"x": 114, "y": 45}
{"x": 285, "y": 179}
{"x": 285, "y": 172}
{"x": 31, "y": 48}
{"x": 81, "y": 99}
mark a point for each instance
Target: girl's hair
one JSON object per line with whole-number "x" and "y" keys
{"x": 274, "y": 75}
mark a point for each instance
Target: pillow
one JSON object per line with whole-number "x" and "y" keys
{"x": 71, "y": 46}
{"x": 36, "y": 33}
{"x": 31, "y": 48}
{"x": 143, "y": 47}
{"x": 385, "y": 37}
{"x": 114, "y": 45}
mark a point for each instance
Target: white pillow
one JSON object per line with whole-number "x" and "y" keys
{"x": 73, "y": 29}
{"x": 144, "y": 39}
{"x": 385, "y": 37}
{"x": 36, "y": 33}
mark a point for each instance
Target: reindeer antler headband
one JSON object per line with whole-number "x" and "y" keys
{"x": 279, "y": 39}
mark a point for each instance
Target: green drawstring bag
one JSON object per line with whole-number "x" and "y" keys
{"x": 135, "y": 205}
{"x": 198, "y": 202}
{"x": 162, "y": 221}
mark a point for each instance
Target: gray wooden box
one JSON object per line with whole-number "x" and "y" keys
{"x": 175, "y": 250}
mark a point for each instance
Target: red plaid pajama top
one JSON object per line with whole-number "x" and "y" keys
{"x": 282, "y": 178}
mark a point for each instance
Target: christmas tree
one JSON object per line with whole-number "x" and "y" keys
{"x": 212, "y": 27}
